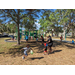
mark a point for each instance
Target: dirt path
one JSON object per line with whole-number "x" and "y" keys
{"x": 64, "y": 54}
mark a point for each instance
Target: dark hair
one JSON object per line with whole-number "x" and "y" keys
{"x": 27, "y": 45}
{"x": 49, "y": 35}
{"x": 41, "y": 36}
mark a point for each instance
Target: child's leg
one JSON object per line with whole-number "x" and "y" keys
{"x": 50, "y": 49}
{"x": 42, "y": 42}
{"x": 25, "y": 55}
{"x": 44, "y": 52}
{"x": 26, "y": 40}
{"x": 47, "y": 53}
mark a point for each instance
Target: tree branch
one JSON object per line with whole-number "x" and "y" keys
{"x": 23, "y": 16}
{"x": 10, "y": 15}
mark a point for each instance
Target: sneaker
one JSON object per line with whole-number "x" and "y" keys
{"x": 23, "y": 57}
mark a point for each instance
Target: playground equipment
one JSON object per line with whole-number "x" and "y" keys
{"x": 34, "y": 34}
{"x": 26, "y": 33}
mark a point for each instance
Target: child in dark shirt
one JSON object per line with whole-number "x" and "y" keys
{"x": 42, "y": 39}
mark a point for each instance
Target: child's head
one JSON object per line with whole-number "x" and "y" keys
{"x": 27, "y": 45}
{"x": 41, "y": 36}
{"x": 48, "y": 36}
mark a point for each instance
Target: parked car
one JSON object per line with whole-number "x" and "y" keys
{"x": 11, "y": 36}
{"x": 0, "y": 35}
{"x": 5, "y": 34}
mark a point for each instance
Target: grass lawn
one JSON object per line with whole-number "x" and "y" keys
{"x": 10, "y": 54}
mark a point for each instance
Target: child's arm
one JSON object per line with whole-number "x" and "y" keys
{"x": 48, "y": 41}
{"x": 31, "y": 49}
{"x": 21, "y": 49}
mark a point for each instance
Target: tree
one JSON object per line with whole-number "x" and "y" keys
{"x": 1, "y": 26}
{"x": 11, "y": 28}
{"x": 16, "y": 15}
{"x": 67, "y": 19}
{"x": 45, "y": 21}
{"x": 29, "y": 23}
{"x": 49, "y": 21}
{"x": 62, "y": 18}
{"x": 71, "y": 24}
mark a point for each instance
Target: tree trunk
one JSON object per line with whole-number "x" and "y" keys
{"x": 64, "y": 33}
{"x": 73, "y": 32}
{"x": 45, "y": 34}
{"x": 13, "y": 34}
{"x": 18, "y": 21}
{"x": 52, "y": 33}
{"x": 18, "y": 37}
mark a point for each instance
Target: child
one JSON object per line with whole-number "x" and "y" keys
{"x": 26, "y": 38}
{"x": 61, "y": 38}
{"x": 37, "y": 39}
{"x": 50, "y": 43}
{"x": 26, "y": 49}
{"x": 31, "y": 37}
{"x": 72, "y": 41}
{"x": 45, "y": 49}
{"x": 42, "y": 39}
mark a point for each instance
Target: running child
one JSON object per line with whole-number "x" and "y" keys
{"x": 45, "y": 49}
{"x": 26, "y": 50}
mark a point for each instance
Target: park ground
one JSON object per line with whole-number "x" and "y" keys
{"x": 10, "y": 54}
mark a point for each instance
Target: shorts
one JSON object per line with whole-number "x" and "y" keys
{"x": 36, "y": 39}
{"x": 42, "y": 40}
{"x": 50, "y": 44}
{"x": 45, "y": 51}
{"x": 25, "y": 53}
{"x": 26, "y": 39}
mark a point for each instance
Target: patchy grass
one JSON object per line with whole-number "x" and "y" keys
{"x": 10, "y": 54}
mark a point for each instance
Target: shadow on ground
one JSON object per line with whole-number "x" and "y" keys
{"x": 55, "y": 51}
{"x": 35, "y": 58}
{"x": 70, "y": 46}
{"x": 15, "y": 51}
